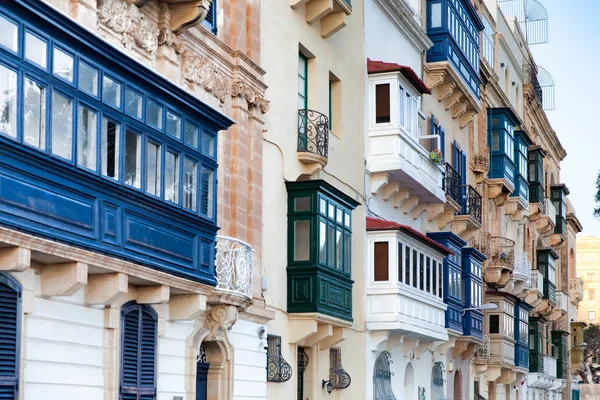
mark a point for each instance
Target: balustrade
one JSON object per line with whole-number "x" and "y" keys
{"x": 233, "y": 266}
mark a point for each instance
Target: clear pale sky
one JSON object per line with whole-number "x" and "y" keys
{"x": 573, "y": 59}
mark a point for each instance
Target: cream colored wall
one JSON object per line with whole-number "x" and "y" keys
{"x": 588, "y": 260}
{"x": 283, "y": 31}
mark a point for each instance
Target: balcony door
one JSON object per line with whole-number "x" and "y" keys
{"x": 202, "y": 375}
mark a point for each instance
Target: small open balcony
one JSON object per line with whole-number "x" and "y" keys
{"x": 522, "y": 272}
{"x": 469, "y": 218}
{"x": 330, "y": 13}
{"x": 501, "y": 263}
{"x": 234, "y": 265}
{"x": 576, "y": 290}
{"x": 542, "y": 371}
{"x": 534, "y": 296}
{"x": 562, "y": 306}
{"x": 480, "y": 160}
{"x": 313, "y": 140}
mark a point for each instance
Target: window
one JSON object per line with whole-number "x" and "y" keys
{"x": 591, "y": 295}
{"x": 335, "y": 105}
{"x": 8, "y": 101}
{"x": 34, "y": 114}
{"x": 63, "y": 65}
{"x": 382, "y": 377}
{"x": 133, "y": 159}
{"x": 153, "y": 168}
{"x": 302, "y": 82}
{"x": 210, "y": 21}
{"x": 590, "y": 277}
{"x": 381, "y": 261}
{"x": 190, "y": 184}
{"x": 86, "y": 138}
{"x": 382, "y": 103}
{"x": 62, "y": 126}
{"x": 10, "y": 36}
{"x": 88, "y": 79}
{"x": 278, "y": 370}
{"x": 494, "y": 324}
{"x": 111, "y": 92}
{"x": 172, "y": 177}
{"x": 35, "y": 49}
{"x": 592, "y": 315}
{"x": 488, "y": 42}
{"x": 110, "y": 149}
{"x": 138, "y": 351}
{"x": 10, "y": 331}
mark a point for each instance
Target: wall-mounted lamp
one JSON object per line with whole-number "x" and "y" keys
{"x": 450, "y": 367}
{"x": 483, "y": 307}
{"x": 502, "y": 65}
{"x": 328, "y": 384}
{"x": 514, "y": 83}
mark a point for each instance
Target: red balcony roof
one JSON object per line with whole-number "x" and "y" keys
{"x": 379, "y": 67}
{"x": 375, "y": 224}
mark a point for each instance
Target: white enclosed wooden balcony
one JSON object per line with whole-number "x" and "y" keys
{"x": 521, "y": 273}
{"x": 576, "y": 290}
{"x": 545, "y": 379}
{"x": 405, "y": 282}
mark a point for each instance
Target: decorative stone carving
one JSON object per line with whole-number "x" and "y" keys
{"x": 126, "y": 19}
{"x": 166, "y": 37}
{"x": 238, "y": 88}
{"x": 203, "y": 72}
{"x": 221, "y": 318}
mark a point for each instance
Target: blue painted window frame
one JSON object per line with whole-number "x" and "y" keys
{"x": 522, "y": 338}
{"x": 210, "y": 21}
{"x": 502, "y": 123}
{"x": 143, "y": 361}
{"x": 472, "y": 262}
{"x": 522, "y": 143}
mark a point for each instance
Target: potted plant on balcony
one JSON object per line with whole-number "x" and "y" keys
{"x": 436, "y": 157}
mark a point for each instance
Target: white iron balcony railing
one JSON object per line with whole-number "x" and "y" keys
{"x": 483, "y": 349}
{"x": 234, "y": 263}
{"x": 550, "y": 210}
{"x": 561, "y": 301}
{"x": 550, "y": 366}
{"x": 537, "y": 281}
{"x": 522, "y": 269}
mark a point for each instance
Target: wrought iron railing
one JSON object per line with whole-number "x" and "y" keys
{"x": 471, "y": 203}
{"x": 278, "y": 370}
{"x": 481, "y": 241}
{"x": 531, "y": 78}
{"x": 483, "y": 349}
{"x": 522, "y": 266}
{"x": 313, "y": 132}
{"x": 502, "y": 252}
{"x": 481, "y": 157}
{"x": 234, "y": 263}
{"x": 453, "y": 184}
{"x": 339, "y": 378}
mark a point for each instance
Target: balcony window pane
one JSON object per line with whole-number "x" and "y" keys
{"x": 322, "y": 206}
{"x": 407, "y": 266}
{"x": 347, "y": 254}
{"x": 331, "y": 246}
{"x": 173, "y": 125}
{"x": 400, "y": 260}
{"x": 110, "y": 149}
{"x": 172, "y": 177}
{"x": 494, "y": 326}
{"x": 208, "y": 144}
{"x": 322, "y": 242}
{"x": 495, "y": 141}
{"x": 340, "y": 216}
{"x": 88, "y": 79}
{"x": 381, "y": 261}
{"x": 111, "y": 92}
{"x": 440, "y": 277}
{"x": 133, "y": 159}
{"x": 382, "y": 103}
{"x": 415, "y": 268}
{"x": 34, "y": 118}
{"x": 428, "y": 274}
{"x": 436, "y": 15}
{"x": 133, "y": 103}
{"x": 401, "y": 110}
{"x": 62, "y": 65}
{"x": 421, "y": 272}
{"x": 339, "y": 250}
{"x": 331, "y": 212}
{"x": 8, "y": 101}
{"x": 206, "y": 202}
{"x": 154, "y": 115}
{"x": 10, "y": 34}
{"x": 35, "y": 49}
{"x": 302, "y": 204}
{"x": 434, "y": 270}
{"x": 62, "y": 128}
{"x": 302, "y": 240}
{"x": 153, "y": 168}
{"x": 190, "y": 183}
{"x": 191, "y": 134}
{"x": 86, "y": 138}
{"x": 347, "y": 220}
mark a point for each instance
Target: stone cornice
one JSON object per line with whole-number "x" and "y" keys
{"x": 402, "y": 16}
{"x": 574, "y": 223}
{"x": 538, "y": 115}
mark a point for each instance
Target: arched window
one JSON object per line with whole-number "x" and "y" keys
{"x": 437, "y": 380}
{"x": 138, "y": 352}
{"x": 382, "y": 378}
{"x": 10, "y": 336}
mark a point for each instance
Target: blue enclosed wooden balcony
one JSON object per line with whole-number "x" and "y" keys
{"x": 501, "y": 137}
{"x": 519, "y": 199}
{"x": 100, "y": 152}
{"x": 522, "y": 334}
{"x": 472, "y": 261}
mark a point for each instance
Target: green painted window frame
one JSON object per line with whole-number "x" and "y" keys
{"x": 330, "y": 104}
{"x": 302, "y": 59}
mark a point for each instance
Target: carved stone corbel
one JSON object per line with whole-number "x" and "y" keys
{"x": 221, "y": 318}
{"x": 253, "y": 99}
{"x": 187, "y": 14}
{"x": 452, "y": 100}
{"x": 433, "y": 79}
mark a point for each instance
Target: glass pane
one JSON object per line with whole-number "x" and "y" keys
{"x": 495, "y": 141}
{"x": 153, "y": 168}
{"x": 189, "y": 184}
{"x": 330, "y": 246}
{"x": 207, "y": 192}
{"x": 173, "y": 125}
{"x": 322, "y": 206}
{"x": 88, "y": 79}
{"x": 133, "y": 159}
{"x": 86, "y": 138}
{"x": 322, "y": 242}
{"x": 133, "y": 103}
{"x": 436, "y": 15}
{"x": 63, "y": 65}
{"x": 10, "y": 34}
{"x": 172, "y": 177}
{"x": 302, "y": 204}
{"x": 340, "y": 216}
{"x": 62, "y": 128}
{"x": 35, "y": 49}
{"x": 110, "y": 149}
{"x": 347, "y": 254}
{"x": 111, "y": 92}
{"x": 338, "y": 250}
{"x": 154, "y": 115}
{"x": 347, "y": 220}
{"x": 191, "y": 134}
{"x": 331, "y": 212}
{"x": 8, "y": 101}
{"x": 414, "y": 269}
{"x": 208, "y": 144}
{"x": 301, "y": 240}
{"x": 34, "y": 118}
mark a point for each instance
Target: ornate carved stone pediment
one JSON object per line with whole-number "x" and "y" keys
{"x": 126, "y": 19}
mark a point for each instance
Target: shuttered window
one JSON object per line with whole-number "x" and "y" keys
{"x": 382, "y": 103}
{"x": 10, "y": 333}
{"x": 138, "y": 352}
{"x": 381, "y": 261}
{"x": 210, "y": 22}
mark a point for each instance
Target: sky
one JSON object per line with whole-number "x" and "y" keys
{"x": 572, "y": 56}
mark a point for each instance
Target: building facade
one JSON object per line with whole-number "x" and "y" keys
{"x": 588, "y": 273}
{"x": 131, "y": 208}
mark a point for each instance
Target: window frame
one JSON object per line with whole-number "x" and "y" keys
{"x": 11, "y": 283}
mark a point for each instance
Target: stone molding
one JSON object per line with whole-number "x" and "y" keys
{"x": 403, "y": 17}
{"x": 220, "y": 319}
{"x": 255, "y": 100}
{"x": 203, "y": 72}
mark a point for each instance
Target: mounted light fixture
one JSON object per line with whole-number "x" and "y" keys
{"x": 502, "y": 65}
{"x": 483, "y": 307}
{"x": 329, "y": 386}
